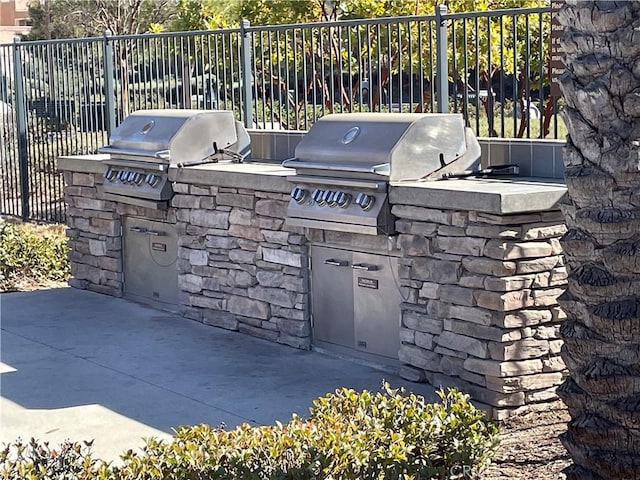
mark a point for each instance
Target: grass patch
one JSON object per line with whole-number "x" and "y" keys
{"x": 32, "y": 255}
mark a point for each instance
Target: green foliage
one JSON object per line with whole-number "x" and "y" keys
{"x": 504, "y": 38}
{"x": 34, "y": 253}
{"x": 269, "y": 12}
{"x": 388, "y": 435}
{"x": 205, "y": 14}
{"x": 37, "y": 461}
{"x": 349, "y": 436}
{"x": 352, "y": 9}
{"x": 88, "y": 18}
{"x": 47, "y": 20}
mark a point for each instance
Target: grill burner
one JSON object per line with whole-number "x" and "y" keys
{"x": 148, "y": 142}
{"x": 345, "y": 162}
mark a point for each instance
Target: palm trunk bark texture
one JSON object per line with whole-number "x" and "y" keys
{"x": 601, "y": 87}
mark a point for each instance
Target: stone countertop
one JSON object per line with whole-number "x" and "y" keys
{"x": 254, "y": 175}
{"x": 496, "y": 196}
{"x": 83, "y": 163}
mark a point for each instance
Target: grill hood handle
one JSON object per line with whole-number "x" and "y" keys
{"x": 493, "y": 171}
{"x": 163, "y": 155}
{"x": 379, "y": 169}
{"x": 469, "y": 160}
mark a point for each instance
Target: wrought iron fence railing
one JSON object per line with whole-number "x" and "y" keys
{"x": 63, "y": 97}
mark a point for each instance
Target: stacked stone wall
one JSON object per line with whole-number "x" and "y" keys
{"x": 239, "y": 267}
{"x": 95, "y": 233}
{"x": 482, "y": 310}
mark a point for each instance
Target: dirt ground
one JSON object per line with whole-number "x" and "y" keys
{"x": 530, "y": 449}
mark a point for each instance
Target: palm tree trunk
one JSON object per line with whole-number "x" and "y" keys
{"x": 601, "y": 86}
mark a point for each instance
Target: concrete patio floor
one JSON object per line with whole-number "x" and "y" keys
{"x": 79, "y": 365}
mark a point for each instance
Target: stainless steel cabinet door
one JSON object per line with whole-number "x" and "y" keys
{"x": 332, "y": 296}
{"x": 150, "y": 252}
{"x": 377, "y": 304}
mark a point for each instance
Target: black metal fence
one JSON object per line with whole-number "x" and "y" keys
{"x": 64, "y": 97}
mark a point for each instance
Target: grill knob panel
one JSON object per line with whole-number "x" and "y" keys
{"x": 299, "y": 194}
{"x": 365, "y": 201}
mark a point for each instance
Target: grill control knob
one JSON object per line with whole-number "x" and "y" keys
{"x": 131, "y": 176}
{"x": 299, "y": 194}
{"x": 343, "y": 199}
{"x": 111, "y": 174}
{"x": 333, "y": 199}
{"x": 326, "y": 197}
{"x": 152, "y": 180}
{"x": 318, "y": 197}
{"x": 122, "y": 175}
{"x": 138, "y": 178}
{"x": 365, "y": 201}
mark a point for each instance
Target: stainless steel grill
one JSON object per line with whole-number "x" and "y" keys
{"x": 344, "y": 166}
{"x": 148, "y": 142}
{"x": 345, "y": 163}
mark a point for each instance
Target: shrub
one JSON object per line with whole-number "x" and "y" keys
{"x": 37, "y": 461}
{"x": 32, "y": 252}
{"x": 349, "y": 435}
{"x": 388, "y": 435}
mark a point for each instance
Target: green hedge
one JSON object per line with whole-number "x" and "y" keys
{"x": 33, "y": 253}
{"x": 348, "y": 436}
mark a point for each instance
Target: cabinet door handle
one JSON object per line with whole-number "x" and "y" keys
{"x": 156, "y": 233}
{"x": 138, "y": 229}
{"x": 336, "y": 263}
{"x": 364, "y": 266}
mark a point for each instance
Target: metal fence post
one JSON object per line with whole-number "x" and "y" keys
{"x": 21, "y": 126}
{"x": 109, "y": 83}
{"x": 442, "y": 61}
{"x": 245, "y": 66}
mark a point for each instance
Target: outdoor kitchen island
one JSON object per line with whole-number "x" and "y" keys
{"x": 479, "y": 267}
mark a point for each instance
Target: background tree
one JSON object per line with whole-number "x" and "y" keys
{"x": 264, "y": 12}
{"x": 204, "y": 15}
{"x": 332, "y": 67}
{"x": 48, "y": 21}
{"x": 521, "y": 65}
{"x": 602, "y": 246}
{"x": 89, "y": 18}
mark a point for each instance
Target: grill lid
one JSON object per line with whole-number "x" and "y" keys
{"x": 177, "y": 136}
{"x": 399, "y": 146}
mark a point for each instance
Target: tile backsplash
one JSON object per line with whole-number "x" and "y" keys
{"x": 274, "y": 145}
{"x": 536, "y": 158}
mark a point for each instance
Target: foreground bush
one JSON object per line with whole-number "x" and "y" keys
{"x": 348, "y": 436}
{"x": 37, "y": 461}
{"x": 32, "y": 253}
